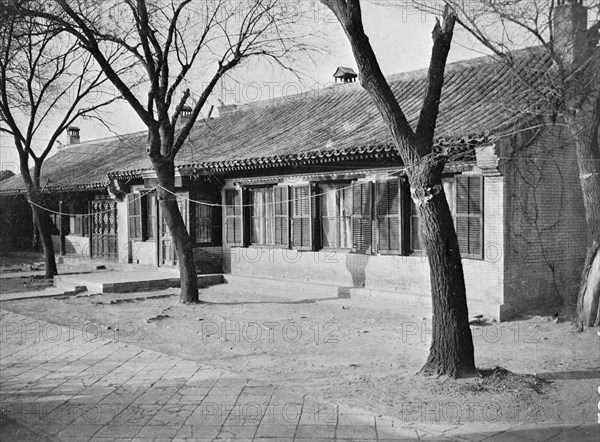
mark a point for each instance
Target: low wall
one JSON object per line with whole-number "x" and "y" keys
{"x": 401, "y": 275}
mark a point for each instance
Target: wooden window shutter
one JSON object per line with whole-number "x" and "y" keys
{"x": 388, "y": 216}
{"x": 302, "y": 213}
{"x": 281, "y": 213}
{"x": 469, "y": 219}
{"x": 233, "y": 216}
{"x": 361, "y": 217}
{"x": 134, "y": 209}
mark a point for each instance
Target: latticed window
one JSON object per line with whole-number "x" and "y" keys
{"x": 204, "y": 223}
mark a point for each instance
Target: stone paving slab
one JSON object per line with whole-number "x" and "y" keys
{"x": 67, "y": 387}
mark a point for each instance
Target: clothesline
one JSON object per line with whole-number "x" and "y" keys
{"x": 147, "y": 191}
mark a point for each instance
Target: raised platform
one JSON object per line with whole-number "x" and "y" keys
{"x": 129, "y": 281}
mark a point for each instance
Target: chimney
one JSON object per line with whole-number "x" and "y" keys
{"x": 73, "y": 135}
{"x": 570, "y": 31}
{"x": 345, "y": 75}
{"x": 184, "y": 116}
{"x": 225, "y": 108}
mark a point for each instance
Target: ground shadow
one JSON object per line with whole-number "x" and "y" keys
{"x": 547, "y": 432}
{"x": 569, "y": 375}
{"x": 356, "y": 264}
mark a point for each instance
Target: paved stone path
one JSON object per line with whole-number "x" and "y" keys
{"x": 79, "y": 385}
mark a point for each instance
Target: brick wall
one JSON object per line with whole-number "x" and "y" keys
{"x": 545, "y": 223}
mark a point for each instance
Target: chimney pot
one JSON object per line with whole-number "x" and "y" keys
{"x": 345, "y": 75}
{"x": 570, "y": 31}
{"x": 73, "y": 135}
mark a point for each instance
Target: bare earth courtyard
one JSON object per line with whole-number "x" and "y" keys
{"x": 362, "y": 353}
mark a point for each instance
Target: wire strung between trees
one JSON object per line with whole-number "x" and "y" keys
{"x": 84, "y": 214}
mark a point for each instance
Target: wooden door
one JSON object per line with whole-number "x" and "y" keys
{"x": 105, "y": 243}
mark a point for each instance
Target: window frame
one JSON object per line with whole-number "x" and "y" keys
{"x": 453, "y": 205}
{"x": 346, "y": 188}
{"x": 208, "y": 222}
{"x": 265, "y": 217}
{"x": 134, "y": 200}
{"x": 302, "y": 214}
{"x": 381, "y": 216}
{"x": 233, "y": 213}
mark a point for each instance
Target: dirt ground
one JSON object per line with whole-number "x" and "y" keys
{"x": 359, "y": 352}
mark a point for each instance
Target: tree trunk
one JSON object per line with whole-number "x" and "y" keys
{"x": 583, "y": 126}
{"x": 451, "y": 352}
{"x": 41, "y": 219}
{"x": 43, "y": 224}
{"x": 165, "y": 172}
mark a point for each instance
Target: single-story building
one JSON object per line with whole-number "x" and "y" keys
{"x": 311, "y": 189}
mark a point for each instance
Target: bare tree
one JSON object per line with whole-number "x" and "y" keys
{"x": 451, "y": 351}
{"x": 172, "y": 40}
{"x": 568, "y": 92}
{"x": 46, "y": 80}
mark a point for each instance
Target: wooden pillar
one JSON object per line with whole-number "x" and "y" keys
{"x": 61, "y": 228}
{"x": 90, "y": 222}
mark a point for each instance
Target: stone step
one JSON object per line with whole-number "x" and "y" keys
{"x": 282, "y": 287}
{"x": 122, "y": 282}
{"x": 420, "y": 301}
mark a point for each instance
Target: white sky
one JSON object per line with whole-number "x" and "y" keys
{"x": 401, "y": 38}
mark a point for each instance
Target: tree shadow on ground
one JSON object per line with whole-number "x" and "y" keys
{"x": 569, "y": 375}
{"x": 300, "y": 301}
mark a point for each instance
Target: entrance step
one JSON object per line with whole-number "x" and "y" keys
{"x": 129, "y": 281}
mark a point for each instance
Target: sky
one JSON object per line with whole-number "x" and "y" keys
{"x": 400, "y": 36}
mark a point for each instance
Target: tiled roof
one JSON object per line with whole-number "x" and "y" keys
{"x": 6, "y": 174}
{"x": 320, "y": 125}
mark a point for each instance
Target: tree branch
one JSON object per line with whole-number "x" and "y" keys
{"x": 442, "y": 39}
